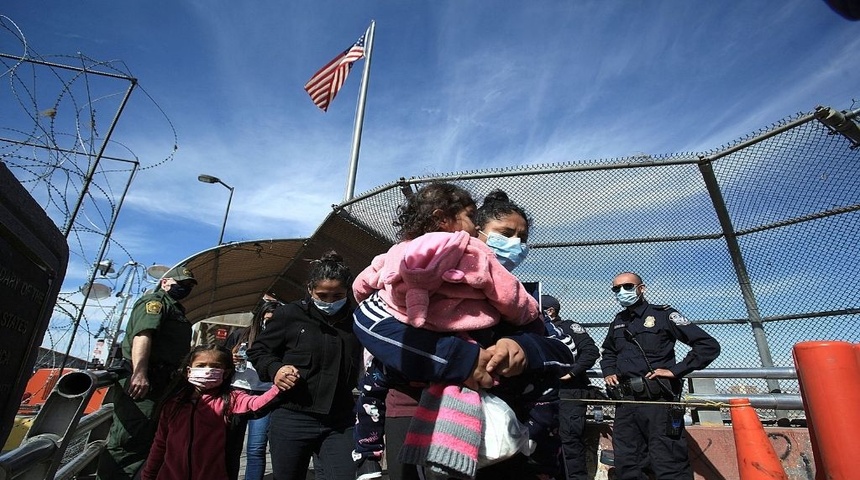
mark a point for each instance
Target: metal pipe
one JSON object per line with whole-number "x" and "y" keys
{"x": 99, "y": 258}
{"x": 95, "y": 419}
{"x": 359, "y": 113}
{"x": 88, "y": 178}
{"x": 786, "y": 373}
{"x": 226, "y": 212}
{"x": 715, "y": 193}
{"x": 67, "y": 67}
{"x": 32, "y": 457}
{"x": 59, "y": 149}
{"x": 90, "y": 453}
{"x": 769, "y": 372}
{"x": 122, "y": 309}
{"x": 776, "y": 401}
{"x": 515, "y": 173}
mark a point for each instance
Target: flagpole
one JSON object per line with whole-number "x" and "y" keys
{"x": 359, "y": 113}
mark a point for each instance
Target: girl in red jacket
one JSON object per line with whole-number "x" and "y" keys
{"x": 190, "y": 442}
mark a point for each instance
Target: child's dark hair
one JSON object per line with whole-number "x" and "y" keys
{"x": 184, "y": 391}
{"x": 329, "y": 267}
{"x": 497, "y": 206}
{"x": 416, "y": 218}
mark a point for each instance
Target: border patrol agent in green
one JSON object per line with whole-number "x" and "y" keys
{"x": 157, "y": 338}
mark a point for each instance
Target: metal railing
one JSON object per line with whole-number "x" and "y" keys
{"x": 709, "y": 406}
{"x": 48, "y": 448}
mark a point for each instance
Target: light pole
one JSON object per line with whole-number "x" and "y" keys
{"x": 210, "y": 179}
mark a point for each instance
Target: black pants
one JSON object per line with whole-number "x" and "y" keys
{"x": 296, "y": 436}
{"x": 571, "y": 427}
{"x": 639, "y": 440}
{"x": 395, "y": 436}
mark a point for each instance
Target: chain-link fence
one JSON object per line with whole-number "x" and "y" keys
{"x": 754, "y": 241}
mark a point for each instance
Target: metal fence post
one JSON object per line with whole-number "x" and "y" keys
{"x": 714, "y": 192}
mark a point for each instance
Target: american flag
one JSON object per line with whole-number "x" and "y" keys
{"x": 324, "y": 85}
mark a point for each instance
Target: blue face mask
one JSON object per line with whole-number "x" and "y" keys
{"x": 329, "y": 308}
{"x": 509, "y": 251}
{"x": 627, "y": 297}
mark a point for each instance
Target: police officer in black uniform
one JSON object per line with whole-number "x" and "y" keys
{"x": 574, "y": 387}
{"x": 639, "y": 364}
{"x": 157, "y": 338}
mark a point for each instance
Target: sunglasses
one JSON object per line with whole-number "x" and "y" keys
{"x": 625, "y": 286}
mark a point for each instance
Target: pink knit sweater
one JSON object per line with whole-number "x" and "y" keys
{"x": 446, "y": 282}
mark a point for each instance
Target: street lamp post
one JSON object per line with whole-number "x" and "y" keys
{"x": 211, "y": 179}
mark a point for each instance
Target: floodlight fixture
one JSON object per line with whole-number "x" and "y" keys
{"x": 156, "y": 271}
{"x": 105, "y": 267}
{"x": 840, "y": 122}
{"x": 95, "y": 290}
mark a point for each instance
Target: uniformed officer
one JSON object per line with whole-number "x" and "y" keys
{"x": 574, "y": 387}
{"x": 157, "y": 338}
{"x": 639, "y": 361}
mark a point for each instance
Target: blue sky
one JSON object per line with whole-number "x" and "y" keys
{"x": 455, "y": 86}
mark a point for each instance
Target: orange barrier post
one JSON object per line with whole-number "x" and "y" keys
{"x": 829, "y": 375}
{"x": 816, "y": 455}
{"x": 756, "y": 456}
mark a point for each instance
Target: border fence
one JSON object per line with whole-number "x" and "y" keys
{"x": 755, "y": 241}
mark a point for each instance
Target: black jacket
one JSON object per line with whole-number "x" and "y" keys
{"x": 655, "y": 328}
{"x": 323, "y": 349}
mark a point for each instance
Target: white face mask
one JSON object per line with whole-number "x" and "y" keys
{"x": 627, "y": 297}
{"x": 329, "y": 308}
{"x": 206, "y": 378}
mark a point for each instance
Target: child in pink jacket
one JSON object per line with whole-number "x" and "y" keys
{"x": 190, "y": 443}
{"x": 470, "y": 289}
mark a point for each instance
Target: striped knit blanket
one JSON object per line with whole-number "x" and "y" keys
{"x": 445, "y": 434}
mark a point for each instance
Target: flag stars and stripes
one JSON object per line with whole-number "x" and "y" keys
{"x": 324, "y": 85}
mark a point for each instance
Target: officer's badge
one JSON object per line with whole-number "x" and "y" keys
{"x": 678, "y": 319}
{"x": 650, "y": 321}
{"x": 153, "y": 307}
{"x": 576, "y": 328}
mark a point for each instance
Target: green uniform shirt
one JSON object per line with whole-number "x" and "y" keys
{"x": 171, "y": 337}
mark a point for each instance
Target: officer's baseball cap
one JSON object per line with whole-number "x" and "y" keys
{"x": 548, "y": 301}
{"x": 181, "y": 273}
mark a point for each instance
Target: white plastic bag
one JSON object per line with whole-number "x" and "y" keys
{"x": 504, "y": 435}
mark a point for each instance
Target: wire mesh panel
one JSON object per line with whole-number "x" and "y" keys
{"x": 757, "y": 236}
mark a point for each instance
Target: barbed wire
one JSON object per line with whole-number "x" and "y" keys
{"x": 55, "y": 137}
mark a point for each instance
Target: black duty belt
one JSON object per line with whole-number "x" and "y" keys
{"x": 641, "y": 388}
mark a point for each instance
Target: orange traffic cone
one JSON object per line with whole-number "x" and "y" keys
{"x": 756, "y": 457}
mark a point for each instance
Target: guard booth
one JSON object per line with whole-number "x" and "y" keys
{"x": 216, "y": 329}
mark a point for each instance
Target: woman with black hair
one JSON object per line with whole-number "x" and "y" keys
{"x": 309, "y": 349}
{"x": 523, "y": 354}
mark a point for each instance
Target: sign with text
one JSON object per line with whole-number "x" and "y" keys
{"x": 33, "y": 258}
